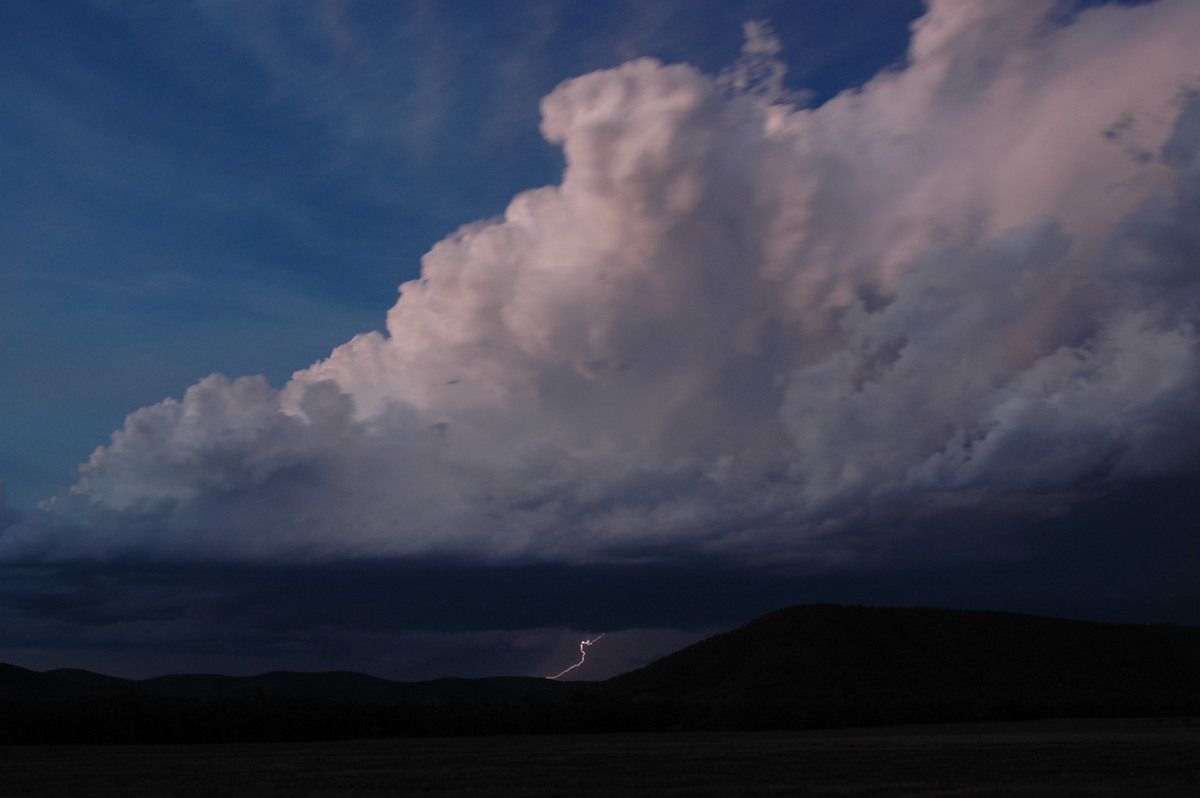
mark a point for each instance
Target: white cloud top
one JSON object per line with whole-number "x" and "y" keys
{"x": 736, "y": 323}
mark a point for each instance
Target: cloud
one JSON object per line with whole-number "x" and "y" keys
{"x": 734, "y": 324}
{"x": 426, "y": 618}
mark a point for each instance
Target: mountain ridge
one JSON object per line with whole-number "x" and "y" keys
{"x": 849, "y": 665}
{"x": 17, "y": 682}
{"x": 809, "y": 666}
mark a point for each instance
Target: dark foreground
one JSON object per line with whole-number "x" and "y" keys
{"x": 1142, "y": 757}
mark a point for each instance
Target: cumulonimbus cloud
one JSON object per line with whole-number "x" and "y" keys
{"x": 975, "y": 276}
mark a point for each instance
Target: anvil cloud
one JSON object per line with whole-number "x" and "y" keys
{"x": 738, "y": 324}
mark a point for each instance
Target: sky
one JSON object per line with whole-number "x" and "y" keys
{"x": 429, "y": 339}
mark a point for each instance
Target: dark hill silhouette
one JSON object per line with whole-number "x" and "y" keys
{"x": 803, "y": 667}
{"x": 17, "y": 682}
{"x": 347, "y": 685}
{"x": 79, "y": 707}
{"x": 830, "y": 664}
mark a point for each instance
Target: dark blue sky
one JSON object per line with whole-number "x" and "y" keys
{"x": 932, "y": 340}
{"x": 239, "y": 188}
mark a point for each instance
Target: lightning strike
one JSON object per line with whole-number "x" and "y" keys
{"x": 583, "y": 646}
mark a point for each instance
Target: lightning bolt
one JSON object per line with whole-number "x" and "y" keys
{"x": 583, "y": 647}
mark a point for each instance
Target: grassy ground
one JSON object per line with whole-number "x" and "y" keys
{"x": 1056, "y": 758}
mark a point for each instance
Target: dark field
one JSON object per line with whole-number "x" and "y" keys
{"x": 1141, "y": 757}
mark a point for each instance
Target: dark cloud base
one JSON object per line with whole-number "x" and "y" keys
{"x": 1128, "y": 555}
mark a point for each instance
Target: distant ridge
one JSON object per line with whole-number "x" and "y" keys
{"x": 70, "y": 706}
{"x": 829, "y": 664}
{"x": 812, "y": 666}
{"x": 21, "y": 683}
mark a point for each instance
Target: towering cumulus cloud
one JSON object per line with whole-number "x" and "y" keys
{"x": 736, "y": 323}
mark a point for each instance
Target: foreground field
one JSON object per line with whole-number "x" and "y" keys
{"x": 1055, "y": 758}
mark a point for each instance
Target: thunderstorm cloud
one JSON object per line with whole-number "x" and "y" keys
{"x": 738, "y": 323}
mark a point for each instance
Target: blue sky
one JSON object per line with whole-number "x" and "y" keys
{"x": 907, "y": 326}
{"x": 239, "y": 187}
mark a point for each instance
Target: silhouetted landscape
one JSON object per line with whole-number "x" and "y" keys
{"x": 803, "y": 668}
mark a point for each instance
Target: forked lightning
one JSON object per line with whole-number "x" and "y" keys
{"x": 583, "y": 644}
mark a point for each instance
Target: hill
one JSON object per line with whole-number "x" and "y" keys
{"x": 812, "y": 666}
{"x": 21, "y": 683}
{"x": 70, "y": 706}
{"x": 839, "y": 665}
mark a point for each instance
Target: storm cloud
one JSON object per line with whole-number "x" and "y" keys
{"x": 738, "y": 325}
